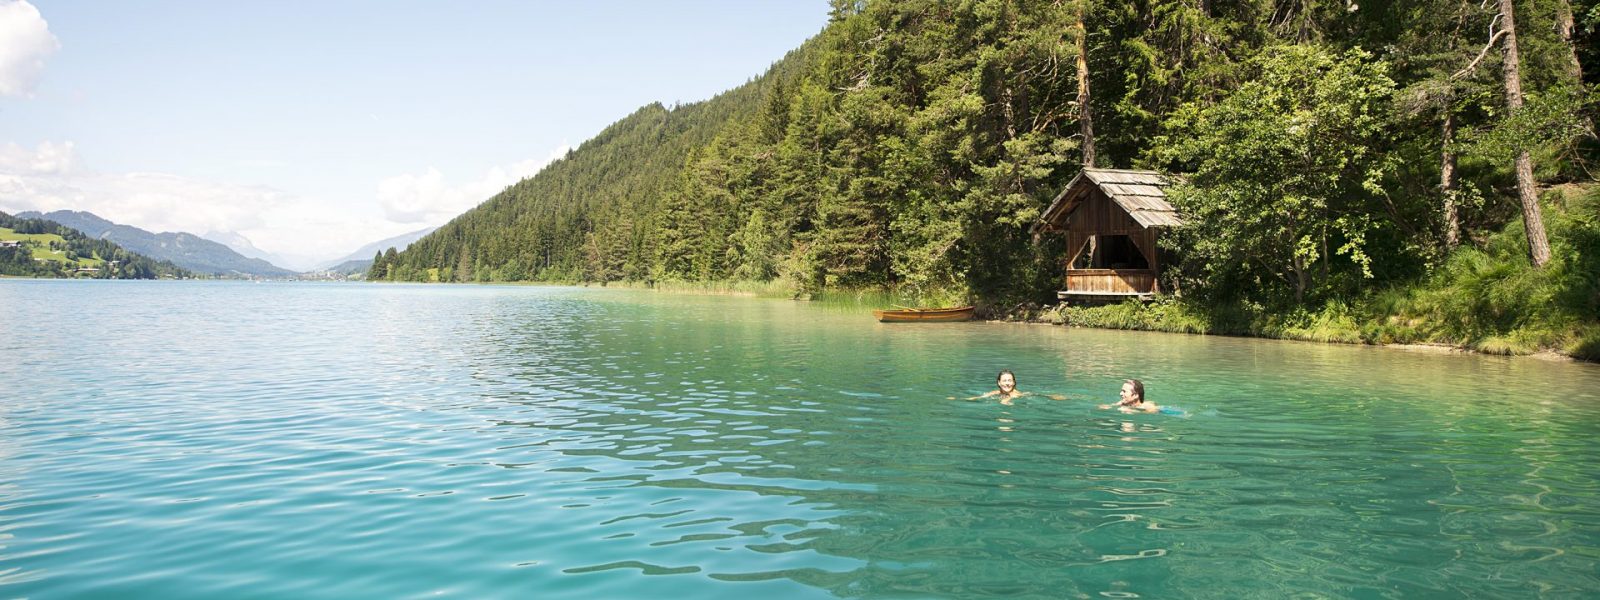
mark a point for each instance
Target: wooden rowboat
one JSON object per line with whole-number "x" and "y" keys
{"x": 924, "y": 315}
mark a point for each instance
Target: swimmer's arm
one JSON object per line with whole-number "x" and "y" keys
{"x": 979, "y": 397}
{"x": 1020, "y": 393}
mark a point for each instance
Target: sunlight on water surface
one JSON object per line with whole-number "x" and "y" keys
{"x": 203, "y": 440}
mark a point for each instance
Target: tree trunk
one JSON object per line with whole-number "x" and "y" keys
{"x": 1085, "y": 119}
{"x": 1301, "y": 281}
{"x": 1447, "y": 181}
{"x": 1564, "y": 27}
{"x": 1532, "y": 218}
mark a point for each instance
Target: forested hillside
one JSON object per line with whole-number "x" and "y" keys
{"x": 183, "y": 249}
{"x": 1328, "y": 149}
{"x": 42, "y": 248}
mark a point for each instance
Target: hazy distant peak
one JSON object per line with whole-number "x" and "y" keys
{"x": 241, "y": 244}
{"x": 399, "y": 242}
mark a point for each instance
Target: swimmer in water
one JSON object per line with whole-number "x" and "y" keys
{"x": 1133, "y": 399}
{"x": 1006, "y": 384}
{"x": 1006, "y": 389}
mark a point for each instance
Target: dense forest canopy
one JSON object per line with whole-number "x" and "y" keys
{"x": 1325, "y": 148}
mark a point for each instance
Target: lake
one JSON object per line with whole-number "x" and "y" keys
{"x": 281, "y": 440}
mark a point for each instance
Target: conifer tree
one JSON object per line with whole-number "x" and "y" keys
{"x": 1532, "y": 216}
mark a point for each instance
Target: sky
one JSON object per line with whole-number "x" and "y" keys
{"x": 312, "y": 128}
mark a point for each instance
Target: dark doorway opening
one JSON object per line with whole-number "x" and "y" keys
{"x": 1111, "y": 252}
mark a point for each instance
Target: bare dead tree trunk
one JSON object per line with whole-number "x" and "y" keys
{"x": 1447, "y": 181}
{"x": 1532, "y": 217}
{"x": 1085, "y": 119}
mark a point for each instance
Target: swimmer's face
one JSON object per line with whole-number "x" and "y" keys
{"x": 1127, "y": 393}
{"x": 1007, "y": 382}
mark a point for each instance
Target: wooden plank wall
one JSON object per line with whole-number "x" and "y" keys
{"x": 1099, "y": 215}
{"x": 1111, "y": 281}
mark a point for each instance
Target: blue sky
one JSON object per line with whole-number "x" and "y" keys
{"x": 314, "y": 127}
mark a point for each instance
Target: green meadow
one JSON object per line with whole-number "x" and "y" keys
{"x": 44, "y": 246}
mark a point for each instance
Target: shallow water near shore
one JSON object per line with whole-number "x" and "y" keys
{"x": 205, "y": 439}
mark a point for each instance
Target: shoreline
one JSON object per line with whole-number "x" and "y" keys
{"x": 1042, "y": 316}
{"x": 1033, "y": 315}
{"x": 1545, "y": 354}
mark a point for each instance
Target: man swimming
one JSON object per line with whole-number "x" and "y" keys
{"x": 1133, "y": 399}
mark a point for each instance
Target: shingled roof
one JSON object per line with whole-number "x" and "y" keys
{"x": 1138, "y": 192}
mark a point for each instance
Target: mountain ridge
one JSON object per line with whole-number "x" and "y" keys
{"x": 184, "y": 249}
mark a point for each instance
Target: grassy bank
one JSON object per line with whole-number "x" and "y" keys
{"x": 863, "y": 299}
{"x": 776, "y": 288}
{"x": 1487, "y": 298}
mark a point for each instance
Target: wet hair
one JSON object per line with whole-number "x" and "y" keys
{"x": 1138, "y": 387}
{"x": 1003, "y": 373}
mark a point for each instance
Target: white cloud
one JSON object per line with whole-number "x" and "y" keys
{"x": 302, "y": 230}
{"x": 25, "y": 41}
{"x": 427, "y": 198}
{"x": 48, "y": 159}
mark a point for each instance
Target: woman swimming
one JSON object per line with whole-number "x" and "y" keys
{"x": 1006, "y": 384}
{"x": 1006, "y": 389}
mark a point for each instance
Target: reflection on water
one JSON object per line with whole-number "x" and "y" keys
{"x": 220, "y": 440}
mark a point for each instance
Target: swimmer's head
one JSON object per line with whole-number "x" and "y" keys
{"x": 1132, "y": 391}
{"x": 1007, "y": 381}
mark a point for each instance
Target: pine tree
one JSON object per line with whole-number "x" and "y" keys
{"x": 1532, "y": 216}
{"x": 378, "y": 268}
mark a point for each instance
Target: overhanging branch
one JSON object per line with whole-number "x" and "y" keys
{"x": 1493, "y": 39}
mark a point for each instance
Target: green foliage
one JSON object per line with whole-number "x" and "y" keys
{"x": 1550, "y": 122}
{"x": 1284, "y": 177}
{"x": 904, "y": 153}
{"x": 48, "y": 249}
{"x": 908, "y": 145}
{"x": 1168, "y": 315}
{"x": 1490, "y": 299}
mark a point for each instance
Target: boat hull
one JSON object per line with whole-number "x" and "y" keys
{"x": 924, "y": 315}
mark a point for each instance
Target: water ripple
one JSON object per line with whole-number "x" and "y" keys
{"x": 226, "y": 440}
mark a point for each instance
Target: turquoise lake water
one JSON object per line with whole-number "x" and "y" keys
{"x": 235, "y": 440}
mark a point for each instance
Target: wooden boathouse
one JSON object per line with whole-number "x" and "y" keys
{"x": 1112, "y": 219}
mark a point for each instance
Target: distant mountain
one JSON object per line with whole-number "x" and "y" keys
{"x": 240, "y": 244}
{"x": 365, "y": 253}
{"x": 183, "y": 249}
{"x": 352, "y": 267}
